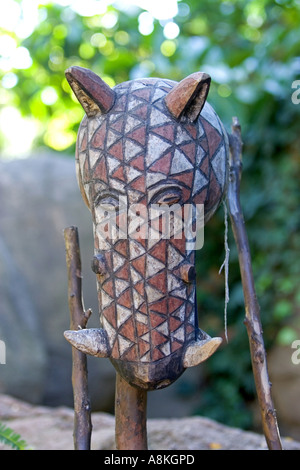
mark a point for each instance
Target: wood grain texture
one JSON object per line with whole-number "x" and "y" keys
{"x": 78, "y": 320}
{"x": 131, "y": 416}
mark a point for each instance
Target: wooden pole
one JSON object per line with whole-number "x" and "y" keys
{"x": 252, "y": 318}
{"x": 78, "y": 320}
{"x": 131, "y": 416}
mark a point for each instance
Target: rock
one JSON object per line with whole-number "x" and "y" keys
{"x": 46, "y": 428}
{"x": 285, "y": 377}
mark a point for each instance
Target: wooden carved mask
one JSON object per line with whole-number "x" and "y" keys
{"x": 151, "y": 153}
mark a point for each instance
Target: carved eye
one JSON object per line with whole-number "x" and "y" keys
{"x": 108, "y": 203}
{"x": 168, "y": 197}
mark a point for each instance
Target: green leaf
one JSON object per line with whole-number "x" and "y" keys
{"x": 11, "y": 438}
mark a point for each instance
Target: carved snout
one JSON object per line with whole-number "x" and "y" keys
{"x": 92, "y": 341}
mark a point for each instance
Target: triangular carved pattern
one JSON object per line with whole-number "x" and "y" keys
{"x": 147, "y": 308}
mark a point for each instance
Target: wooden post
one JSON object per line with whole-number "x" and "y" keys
{"x": 131, "y": 416}
{"x": 78, "y": 320}
{"x": 252, "y": 318}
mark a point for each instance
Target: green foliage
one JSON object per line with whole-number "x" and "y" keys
{"x": 12, "y": 439}
{"x": 251, "y": 51}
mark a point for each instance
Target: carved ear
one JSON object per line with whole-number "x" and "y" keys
{"x": 188, "y": 97}
{"x": 94, "y": 95}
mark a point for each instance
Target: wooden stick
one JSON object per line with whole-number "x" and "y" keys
{"x": 131, "y": 416}
{"x": 78, "y": 320}
{"x": 252, "y": 318}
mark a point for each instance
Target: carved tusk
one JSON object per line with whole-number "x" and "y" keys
{"x": 200, "y": 350}
{"x": 92, "y": 341}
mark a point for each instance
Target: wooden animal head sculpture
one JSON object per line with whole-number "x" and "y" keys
{"x": 147, "y": 143}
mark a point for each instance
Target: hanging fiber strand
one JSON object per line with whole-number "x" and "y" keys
{"x": 226, "y": 266}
